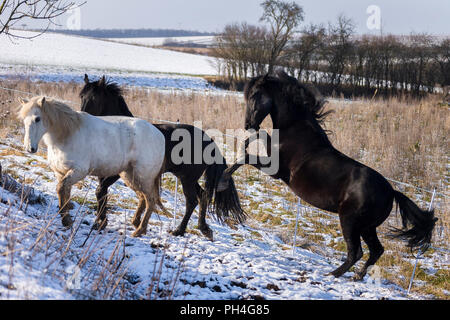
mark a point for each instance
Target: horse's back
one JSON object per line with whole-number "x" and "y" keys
{"x": 120, "y": 142}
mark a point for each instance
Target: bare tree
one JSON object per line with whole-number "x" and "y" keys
{"x": 14, "y": 11}
{"x": 241, "y": 51}
{"x": 339, "y": 47}
{"x": 283, "y": 18}
{"x": 304, "y": 51}
{"x": 442, "y": 58}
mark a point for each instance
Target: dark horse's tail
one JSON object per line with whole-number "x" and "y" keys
{"x": 422, "y": 223}
{"x": 224, "y": 205}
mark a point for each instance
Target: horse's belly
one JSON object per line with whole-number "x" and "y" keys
{"x": 315, "y": 193}
{"x": 109, "y": 166}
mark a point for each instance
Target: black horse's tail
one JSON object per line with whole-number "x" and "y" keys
{"x": 422, "y": 222}
{"x": 224, "y": 205}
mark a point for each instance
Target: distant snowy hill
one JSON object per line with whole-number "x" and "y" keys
{"x": 51, "y": 49}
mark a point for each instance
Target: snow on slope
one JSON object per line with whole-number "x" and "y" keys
{"x": 39, "y": 256}
{"x": 161, "y": 81}
{"x": 53, "y": 49}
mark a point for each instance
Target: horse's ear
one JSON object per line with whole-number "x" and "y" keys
{"x": 102, "y": 81}
{"x": 86, "y": 78}
{"x": 22, "y": 100}
{"x": 41, "y": 102}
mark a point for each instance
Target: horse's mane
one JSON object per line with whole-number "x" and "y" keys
{"x": 59, "y": 118}
{"x": 115, "y": 90}
{"x": 111, "y": 89}
{"x": 301, "y": 96}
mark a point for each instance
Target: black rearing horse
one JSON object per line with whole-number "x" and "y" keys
{"x": 323, "y": 176}
{"x": 101, "y": 98}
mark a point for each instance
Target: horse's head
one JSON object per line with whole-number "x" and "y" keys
{"x": 259, "y": 102}
{"x": 93, "y": 96}
{"x": 34, "y": 122}
{"x": 103, "y": 98}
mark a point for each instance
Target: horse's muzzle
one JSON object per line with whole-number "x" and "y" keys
{"x": 32, "y": 149}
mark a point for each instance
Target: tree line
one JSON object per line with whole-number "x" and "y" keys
{"x": 332, "y": 56}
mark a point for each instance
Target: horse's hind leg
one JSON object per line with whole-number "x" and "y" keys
{"x": 352, "y": 238}
{"x": 375, "y": 248}
{"x": 102, "y": 200}
{"x": 150, "y": 193}
{"x": 63, "y": 190}
{"x": 202, "y": 225}
{"x": 136, "y": 221}
{"x": 190, "y": 194}
{"x": 150, "y": 205}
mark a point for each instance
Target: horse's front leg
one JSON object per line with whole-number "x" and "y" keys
{"x": 63, "y": 190}
{"x": 258, "y": 162}
{"x": 102, "y": 200}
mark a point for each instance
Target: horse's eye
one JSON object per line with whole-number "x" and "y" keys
{"x": 37, "y": 119}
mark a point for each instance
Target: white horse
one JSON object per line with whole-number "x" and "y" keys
{"x": 79, "y": 144}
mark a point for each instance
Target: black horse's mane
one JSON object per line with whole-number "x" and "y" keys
{"x": 111, "y": 89}
{"x": 302, "y": 96}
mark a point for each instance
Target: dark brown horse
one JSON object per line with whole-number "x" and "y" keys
{"x": 100, "y": 98}
{"x": 323, "y": 176}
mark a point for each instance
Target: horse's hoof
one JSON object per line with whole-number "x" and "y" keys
{"x": 100, "y": 225}
{"x": 222, "y": 185}
{"x": 177, "y": 233}
{"x": 336, "y": 273}
{"x": 139, "y": 232}
{"x": 67, "y": 221}
{"x": 208, "y": 233}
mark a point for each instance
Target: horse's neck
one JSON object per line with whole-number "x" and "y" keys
{"x": 50, "y": 141}
{"x": 303, "y": 138}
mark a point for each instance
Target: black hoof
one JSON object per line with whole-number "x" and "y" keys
{"x": 66, "y": 221}
{"x": 100, "y": 225}
{"x": 208, "y": 233}
{"x": 177, "y": 233}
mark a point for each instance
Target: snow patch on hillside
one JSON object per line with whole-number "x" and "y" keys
{"x": 51, "y": 49}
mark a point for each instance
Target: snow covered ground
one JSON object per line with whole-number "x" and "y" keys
{"x": 39, "y": 259}
{"x": 160, "y": 81}
{"x": 51, "y": 49}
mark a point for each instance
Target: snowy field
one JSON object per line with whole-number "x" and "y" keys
{"x": 51, "y": 49}
{"x": 42, "y": 260}
{"x": 159, "y": 81}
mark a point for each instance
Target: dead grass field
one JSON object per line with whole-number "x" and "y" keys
{"x": 403, "y": 140}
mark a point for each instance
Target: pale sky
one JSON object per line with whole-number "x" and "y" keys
{"x": 397, "y": 16}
